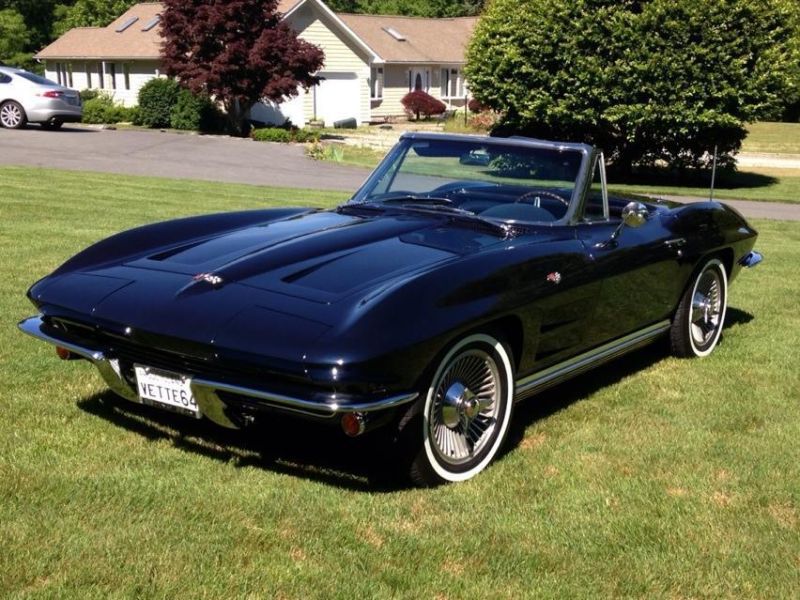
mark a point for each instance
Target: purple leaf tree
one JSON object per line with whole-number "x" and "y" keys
{"x": 238, "y": 52}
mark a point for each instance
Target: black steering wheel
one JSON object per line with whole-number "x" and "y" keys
{"x": 536, "y": 193}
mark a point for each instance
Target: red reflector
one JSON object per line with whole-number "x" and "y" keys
{"x": 52, "y": 94}
{"x": 63, "y": 353}
{"x": 353, "y": 424}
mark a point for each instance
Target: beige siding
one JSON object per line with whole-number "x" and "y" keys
{"x": 396, "y": 86}
{"x": 341, "y": 56}
{"x": 140, "y": 72}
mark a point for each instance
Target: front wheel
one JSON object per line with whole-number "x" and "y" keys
{"x": 465, "y": 415}
{"x": 698, "y": 322}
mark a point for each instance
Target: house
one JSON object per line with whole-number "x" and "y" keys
{"x": 371, "y": 61}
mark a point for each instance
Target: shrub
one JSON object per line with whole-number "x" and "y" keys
{"x": 284, "y": 135}
{"x": 156, "y": 99}
{"x": 305, "y": 136}
{"x": 476, "y": 106}
{"x": 103, "y": 110}
{"x": 89, "y": 94}
{"x": 272, "y": 134}
{"x": 648, "y": 81}
{"x": 418, "y": 103}
{"x": 195, "y": 113}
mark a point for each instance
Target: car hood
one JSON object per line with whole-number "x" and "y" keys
{"x": 281, "y": 283}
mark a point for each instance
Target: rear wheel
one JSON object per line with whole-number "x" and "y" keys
{"x": 698, "y": 322}
{"x": 12, "y": 115}
{"x": 465, "y": 414}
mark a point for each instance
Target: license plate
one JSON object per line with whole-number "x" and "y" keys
{"x": 166, "y": 390}
{"x": 73, "y": 101}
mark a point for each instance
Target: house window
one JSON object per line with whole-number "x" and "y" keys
{"x": 88, "y": 76}
{"x": 376, "y": 83}
{"x": 58, "y": 74}
{"x": 126, "y": 73}
{"x": 69, "y": 74}
{"x": 101, "y": 76}
{"x": 452, "y": 84}
{"x": 112, "y": 72}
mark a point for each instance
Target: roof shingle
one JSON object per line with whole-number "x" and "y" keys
{"x": 105, "y": 43}
{"x": 426, "y": 40}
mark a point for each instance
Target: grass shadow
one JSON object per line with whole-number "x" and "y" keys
{"x": 320, "y": 452}
{"x": 560, "y": 397}
{"x": 295, "y": 447}
{"x": 663, "y": 178}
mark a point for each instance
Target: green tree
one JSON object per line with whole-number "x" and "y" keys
{"x": 38, "y": 15}
{"x": 88, "y": 13}
{"x": 14, "y": 35}
{"x": 647, "y": 80}
{"x": 420, "y": 8}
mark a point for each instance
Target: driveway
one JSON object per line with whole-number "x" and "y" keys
{"x": 217, "y": 158}
{"x": 181, "y": 156}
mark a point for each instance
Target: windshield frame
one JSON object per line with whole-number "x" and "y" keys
{"x": 397, "y": 154}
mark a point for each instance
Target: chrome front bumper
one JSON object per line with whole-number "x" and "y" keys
{"x": 206, "y": 391}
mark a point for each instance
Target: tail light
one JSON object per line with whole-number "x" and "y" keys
{"x": 51, "y": 94}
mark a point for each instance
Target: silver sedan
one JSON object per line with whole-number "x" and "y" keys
{"x": 29, "y": 98}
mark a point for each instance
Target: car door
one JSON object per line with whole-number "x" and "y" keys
{"x": 639, "y": 270}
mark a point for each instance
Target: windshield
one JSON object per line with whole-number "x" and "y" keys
{"x": 505, "y": 182}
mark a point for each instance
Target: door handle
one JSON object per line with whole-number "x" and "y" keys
{"x": 676, "y": 245}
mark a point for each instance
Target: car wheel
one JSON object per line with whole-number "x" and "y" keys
{"x": 12, "y": 115}
{"x": 698, "y": 322}
{"x": 52, "y": 125}
{"x": 464, "y": 414}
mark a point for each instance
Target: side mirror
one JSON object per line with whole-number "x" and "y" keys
{"x": 633, "y": 215}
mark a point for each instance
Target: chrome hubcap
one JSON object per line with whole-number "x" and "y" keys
{"x": 10, "y": 115}
{"x": 706, "y": 308}
{"x": 465, "y": 407}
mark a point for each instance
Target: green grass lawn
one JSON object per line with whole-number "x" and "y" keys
{"x": 758, "y": 184}
{"x": 652, "y": 477}
{"x": 773, "y": 138}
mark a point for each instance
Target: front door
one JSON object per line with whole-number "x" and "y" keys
{"x": 419, "y": 80}
{"x": 640, "y": 270}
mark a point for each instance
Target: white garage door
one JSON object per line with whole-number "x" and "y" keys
{"x": 338, "y": 97}
{"x": 276, "y": 114}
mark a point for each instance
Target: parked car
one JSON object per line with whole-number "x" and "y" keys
{"x": 29, "y": 98}
{"x": 467, "y": 273}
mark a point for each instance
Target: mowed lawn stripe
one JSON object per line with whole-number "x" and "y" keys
{"x": 649, "y": 477}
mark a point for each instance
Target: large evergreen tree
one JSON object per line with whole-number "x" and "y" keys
{"x": 648, "y": 80}
{"x": 239, "y": 52}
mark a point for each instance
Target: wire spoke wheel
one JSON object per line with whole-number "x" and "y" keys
{"x": 698, "y": 322}
{"x": 706, "y": 307}
{"x": 464, "y": 414}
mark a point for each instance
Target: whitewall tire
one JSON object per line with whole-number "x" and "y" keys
{"x": 698, "y": 322}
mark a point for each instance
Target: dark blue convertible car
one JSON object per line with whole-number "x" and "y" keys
{"x": 466, "y": 273}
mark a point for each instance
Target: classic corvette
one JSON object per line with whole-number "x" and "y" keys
{"x": 467, "y": 273}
